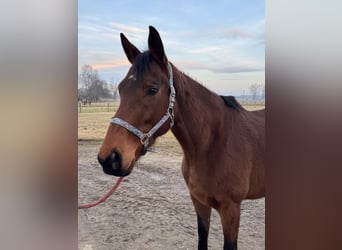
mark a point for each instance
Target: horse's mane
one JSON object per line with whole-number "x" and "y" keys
{"x": 231, "y": 102}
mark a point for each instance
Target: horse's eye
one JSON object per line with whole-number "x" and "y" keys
{"x": 152, "y": 91}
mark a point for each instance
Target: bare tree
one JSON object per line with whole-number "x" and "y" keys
{"x": 93, "y": 88}
{"x": 254, "y": 89}
{"x": 113, "y": 87}
{"x": 87, "y": 76}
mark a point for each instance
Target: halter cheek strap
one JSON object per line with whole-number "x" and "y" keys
{"x": 144, "y": 137}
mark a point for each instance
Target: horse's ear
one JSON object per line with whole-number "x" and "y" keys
{"x": 155, "y": 45}
{"x": 130, "y": 50}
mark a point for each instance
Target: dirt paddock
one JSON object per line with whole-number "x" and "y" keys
{"x": 152, "y": 208}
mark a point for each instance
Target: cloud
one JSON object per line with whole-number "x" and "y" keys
{"x": 126, "y": 28}
{"x": 202, "y": 50}
{"x": 114, "y": 64}
{"x": 254, "y": 31}
{"x": 90, "y": 28}
{"x": 224, "y": 68}
{"x": 132, "y": 32}
{"x": 236, "y": 69}
{"x": 243, "y": 34}
{"x": 96, "y": 32}
{"x": 240, "y": 34}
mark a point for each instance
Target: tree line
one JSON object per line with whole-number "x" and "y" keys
{"x": 92, "y": 88}
{"x": 257, "y": 89}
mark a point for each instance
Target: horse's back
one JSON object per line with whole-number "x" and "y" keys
{"x": 259, "y": 113}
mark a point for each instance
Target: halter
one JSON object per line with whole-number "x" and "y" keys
{"x": 144, "y": 137}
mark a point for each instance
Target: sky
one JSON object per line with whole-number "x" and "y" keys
{"x": 220, "y": 44}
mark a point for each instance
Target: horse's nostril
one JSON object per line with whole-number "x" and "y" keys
{"x": 115, "y": 157}
{"x": 112, "y": 164}
{"x": 115, "y": 160}
{"x": 111, "y": 157}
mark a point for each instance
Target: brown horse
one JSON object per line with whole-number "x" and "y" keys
{"x": 223, "y": 144}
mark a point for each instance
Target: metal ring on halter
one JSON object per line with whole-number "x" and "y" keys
{"x": 144, "y": 140}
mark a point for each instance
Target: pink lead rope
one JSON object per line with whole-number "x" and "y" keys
{"x": 105, "y": 197}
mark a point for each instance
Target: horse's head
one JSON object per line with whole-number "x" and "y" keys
{"x": 144, "y": 100}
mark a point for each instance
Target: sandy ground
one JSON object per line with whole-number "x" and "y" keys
{"x": 151, "y": 209}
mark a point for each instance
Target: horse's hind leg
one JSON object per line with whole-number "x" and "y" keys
{"x": 203, "y": 223}
{"x": 230, "y": 218}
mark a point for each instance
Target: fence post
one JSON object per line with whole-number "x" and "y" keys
{"x": 80, "y": 104}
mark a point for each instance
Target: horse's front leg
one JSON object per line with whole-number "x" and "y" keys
{"x": 203, "y": 223}
{"x": 230, "y": 219}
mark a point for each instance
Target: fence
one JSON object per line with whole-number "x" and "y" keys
{"x": 247, "y": 103}
{"x": 98, "y": 107}
{"x": 112, "y": 106}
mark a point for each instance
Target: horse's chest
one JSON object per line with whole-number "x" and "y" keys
{"x": 204, "y": 194}
{"x": 200, "y": 188}
{"x": 215, "y": 189}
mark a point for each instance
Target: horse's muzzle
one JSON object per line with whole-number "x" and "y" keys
{"x": 112, "y": 165}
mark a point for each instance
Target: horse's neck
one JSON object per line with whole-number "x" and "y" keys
{"x": 199, "y": 115}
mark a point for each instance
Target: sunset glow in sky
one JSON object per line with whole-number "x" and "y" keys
{"x": 221, "y": 44}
